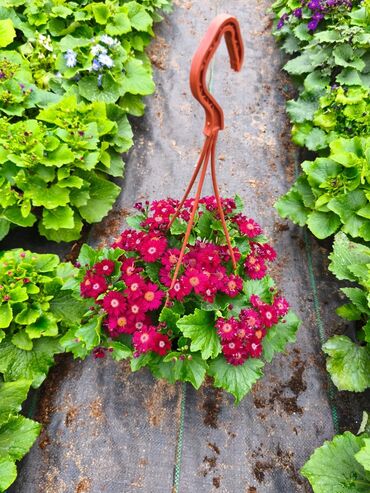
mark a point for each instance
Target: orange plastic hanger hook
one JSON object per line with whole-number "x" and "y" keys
{"x": 228, "y": 26}
{"x": 223, "y": 25}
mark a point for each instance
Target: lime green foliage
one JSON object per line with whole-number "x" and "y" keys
{"x": 340, "y": 466}
{"x": 341, "y": 111}
{"x": 349, "y": 361}
{"x": 34, "y": 313}
{"x": 71, "y": 73}
{"x": 333, "y": 192}
{"x": 17, "y": 433}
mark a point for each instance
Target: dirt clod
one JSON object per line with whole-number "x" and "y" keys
{"x": 260, "y": 468}
{"x": 216, "y": 481}
{"x": 214, "y": 447}
{"x": 212, "y": 407}
{"x": 83, "y": 485}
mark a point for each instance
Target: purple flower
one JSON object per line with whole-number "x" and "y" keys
{"x": 314, "y": 5}
{"x": 312, "y": 25}
{"x": 297, "y": 13}
{"x": 282, "y": 19}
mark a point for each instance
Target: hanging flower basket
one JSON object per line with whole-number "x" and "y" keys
{"x": 215, "y": 320}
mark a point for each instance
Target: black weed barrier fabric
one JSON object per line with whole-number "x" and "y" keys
{"x": 107, "y": 430}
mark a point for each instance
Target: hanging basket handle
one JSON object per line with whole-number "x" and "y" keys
{"x": 223, "y": 25}
{"x": 227, "y": 25}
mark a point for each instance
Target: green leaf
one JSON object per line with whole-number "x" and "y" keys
{"x": 291, "y": 205}
{"x": 345, "y": 57}
{"x": 346, "y": 253}
{"x": 67, "y": 308}
{"x": 137, "y": 78}
{"x": 12, "y": 394}
{"x": 323, "y": 224}
{"x": 280, "y": 335}
{"x": 8, "y": 473}
{"x": 7, "y": 32}
{"x": 200, "y": 328}
{"x": 60, "y": 217}
{"x": 22, "y": 341}
{"x": 120, "y": 351}
{"x": 238, "y": 380}
{"x": 17, "y": 436}
{"x": 28, "y": 315}
{"x": 299, "y": 65}
{"x": 6, "y": 315}
{"x": 139, "y": 17}
{"x": 170, "y": 317}
{"x": 332, "y": 468}
{"x": 101, "y": 13}
{"x": 178, "y": 227}
{"x": 363, "y": 456}
{"x": 349, "y": 312}
{"x": 358, "y": 298}
{"x": 348, "y": 364}
{"x": 29, "y": 365}
{"x": 301, "y": 110}
{"x": 103, "y": 194}
{"x": 119, "y": 24}
{"x": 4, "y": 228}
{"x": 89, "y": 333}
{"x": 191, "y": 370}
{"x": 51, "y": 197}
{"x": 88, "y": 256}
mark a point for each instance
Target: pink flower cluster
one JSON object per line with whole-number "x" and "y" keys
{"x": 162, "y": 210}
{"x": 255, "y": 263}
{"x": 243, "y": 338}
{"x": 127, "y": 311}
{"x": 206, "y": 271}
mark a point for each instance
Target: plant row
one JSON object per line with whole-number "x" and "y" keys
{"x": 328, "y": 44}
{"x": 70, "y": 74}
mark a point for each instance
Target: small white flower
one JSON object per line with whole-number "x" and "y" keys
{"x": 97, "y": 49}
{"x": 71, "y": 58}
{"x": 108, "y": 40}
{"x": 45, "y": 41}
{"x": 106, "y": 60}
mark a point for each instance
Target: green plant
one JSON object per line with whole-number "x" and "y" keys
{"x": 349, "y": 361}
{"x": 17, "y": 433}
{"x": 69, "y": 76}
{"x": 55, "y": 169}
{"x": 333, "y": 192}
{"x": 339, "y": 111}
{"x": 341, "y": 465}
{"x": 34, "y": 313}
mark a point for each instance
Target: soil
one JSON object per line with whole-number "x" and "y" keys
{"x": 83, "y": 486}
{"x": 212, "y": 406}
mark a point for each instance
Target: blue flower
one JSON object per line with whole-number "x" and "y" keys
{"x": 96, "y": 65}
{"x": 106, "y": 60}
{"x": 71, "y": 58}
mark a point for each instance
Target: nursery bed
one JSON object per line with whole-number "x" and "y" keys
{"x": 107, "y": 430}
